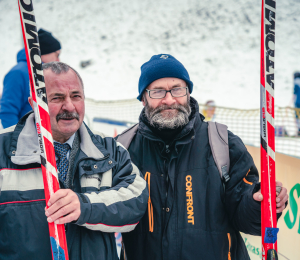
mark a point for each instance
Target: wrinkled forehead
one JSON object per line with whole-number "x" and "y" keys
{"x": 167, "y": 83}
{"x": 65, "y": 81}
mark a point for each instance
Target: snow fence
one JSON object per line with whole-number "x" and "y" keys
{"x": 112, "y": 117}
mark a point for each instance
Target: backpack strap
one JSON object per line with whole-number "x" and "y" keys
{"x": 126, "y": 137}
{"x": 218, "y": 140}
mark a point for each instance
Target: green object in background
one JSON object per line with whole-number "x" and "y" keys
{"x": 294, "y": 208}
{"x": 253, "y": 249}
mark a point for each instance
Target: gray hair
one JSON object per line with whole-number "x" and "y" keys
{"x": 58, "y": 68}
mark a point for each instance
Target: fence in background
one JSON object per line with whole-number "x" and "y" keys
{"x": 112, "y": 117}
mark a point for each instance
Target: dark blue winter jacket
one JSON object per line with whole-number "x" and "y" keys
{"x": 193, "y": 217}
{"x": 14, "y": 102}
{"x": 113, "y": 196}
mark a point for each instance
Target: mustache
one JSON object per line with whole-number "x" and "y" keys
{"x": 170, "y": 120}
{"x": 180, "y": 108}
{"x": 67, "y": 115}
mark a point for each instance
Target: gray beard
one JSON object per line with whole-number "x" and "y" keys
{"x": 168, "y": 120}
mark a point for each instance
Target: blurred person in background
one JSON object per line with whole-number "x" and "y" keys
{"x": 16, "y": 90}
{"x": 209, "y": 110}
{"x": 296, "y": 98}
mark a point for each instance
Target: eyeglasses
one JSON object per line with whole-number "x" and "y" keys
{"x": 161, "y": 93}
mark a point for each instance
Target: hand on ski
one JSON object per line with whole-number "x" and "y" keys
{"x": 281, "y": 198}
{"x": 64, "y": 207}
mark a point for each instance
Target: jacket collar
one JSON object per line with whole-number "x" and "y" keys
{"x": 24, "y": 147}
{"x": 189, "y": 130}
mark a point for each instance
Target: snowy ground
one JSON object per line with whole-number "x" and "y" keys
{"x": 218, "y": 41}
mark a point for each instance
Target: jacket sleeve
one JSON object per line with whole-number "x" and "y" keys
{"x": 12, "y": 98}
{"x": 244, "y": 212}
{"x": 119, "y": 208}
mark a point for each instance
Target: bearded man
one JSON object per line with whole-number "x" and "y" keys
{"x": 190, "y": 214}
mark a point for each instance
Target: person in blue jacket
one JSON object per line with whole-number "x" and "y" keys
{"x": 297, "y": 98}
{"x": 14, "y": 102}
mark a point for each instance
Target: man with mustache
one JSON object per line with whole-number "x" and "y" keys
{"x": 102, "y": 192}
{"x": 190, "y": 215}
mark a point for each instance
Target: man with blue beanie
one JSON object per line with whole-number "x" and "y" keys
{"x": 14, "y": 102}
{"x": 192, "y": 212}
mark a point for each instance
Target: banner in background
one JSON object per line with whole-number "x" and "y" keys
{"x": 287, "y": 172}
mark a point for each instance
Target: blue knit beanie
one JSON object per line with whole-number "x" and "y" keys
{"x": 162, "y": 66}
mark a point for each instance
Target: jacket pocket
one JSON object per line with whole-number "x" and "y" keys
{"x": 95, "y": 175}
{"x": 203, "y": 244}
{"x": 90, "y": 182}
{"x": 24, "y": 232}
{"x": 96, "y": 182}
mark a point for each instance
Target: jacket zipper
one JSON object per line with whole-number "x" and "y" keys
{"x": 229, "y": 240}
{"x": 150, "y": 206}
{"x": 101, "y": 159}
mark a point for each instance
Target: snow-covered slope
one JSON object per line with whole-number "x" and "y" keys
{"x": 218, "y": 41}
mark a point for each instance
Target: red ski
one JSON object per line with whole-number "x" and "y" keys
{"x": 269, "y": 228}
{"x": 42, "y": 120}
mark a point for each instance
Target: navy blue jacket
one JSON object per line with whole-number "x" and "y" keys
{"x": 14, "y": 102}
{"x": 194, "y": 218}
{"x": 113, "y": 196}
